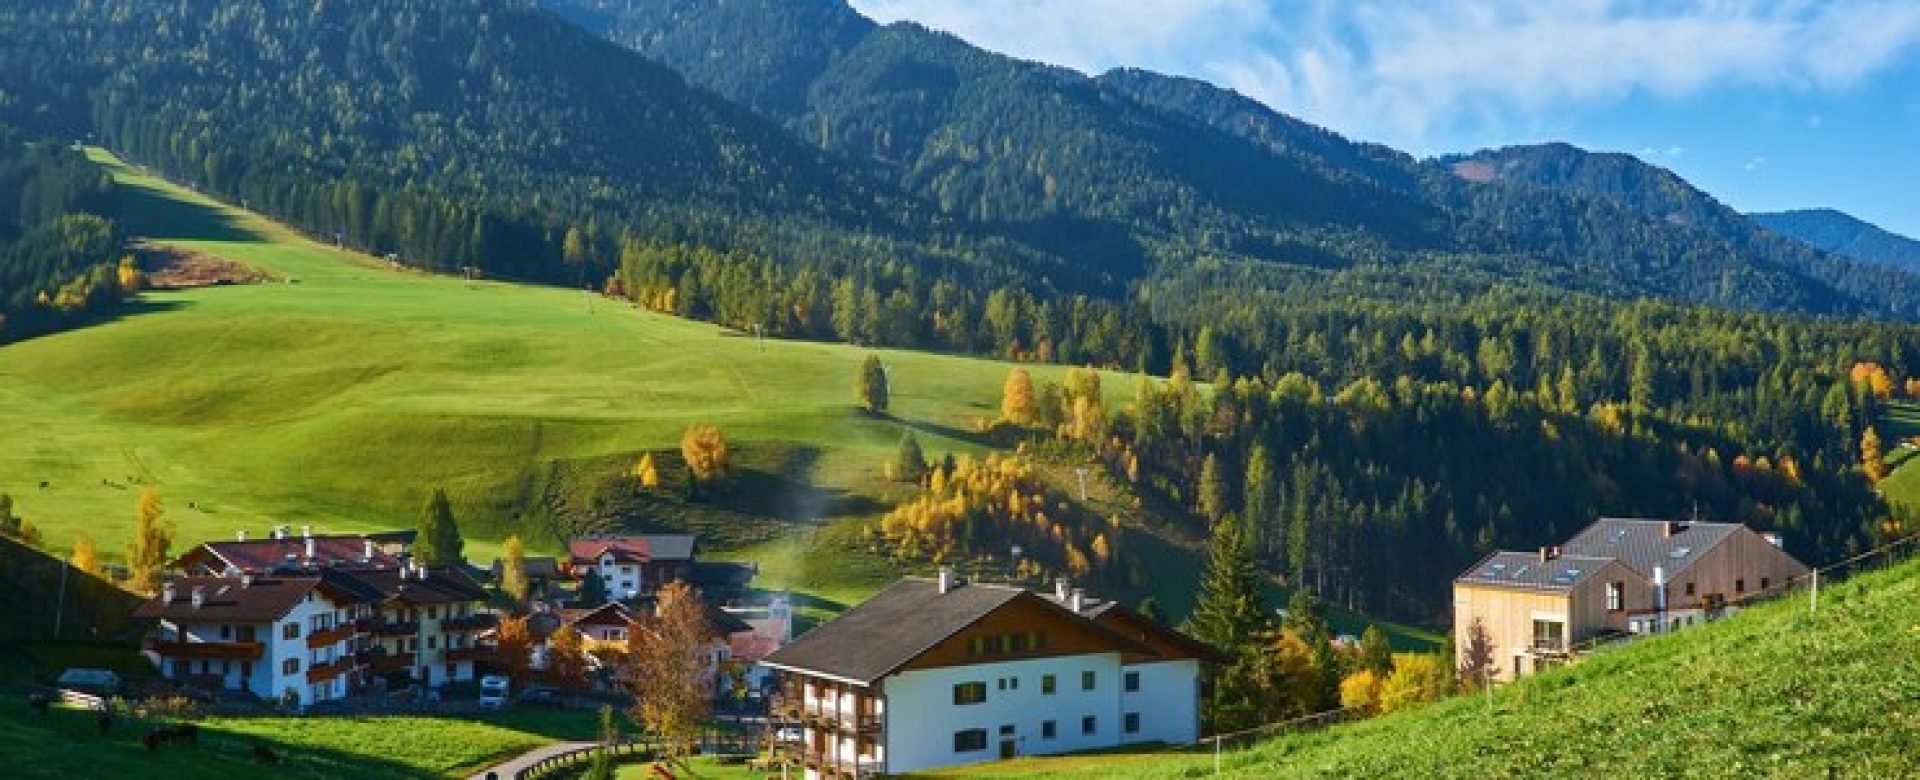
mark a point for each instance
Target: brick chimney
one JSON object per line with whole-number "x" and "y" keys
{"x": 242, "y": 535}
{"x": 1062, "y": 589}
{"x": 1077, "y": 600}
{"x": 1549, "y": 553}
{"x": 309, "y": 548}
{"x": 948, "y": 581}
{"x": 366, "y": 551}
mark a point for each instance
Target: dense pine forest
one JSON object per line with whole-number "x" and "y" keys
{"x": 1383, "y": 366}
{"x": 59, "y": 247}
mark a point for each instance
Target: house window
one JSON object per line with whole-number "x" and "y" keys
{"x": 433, "y": 613}
{"x": 1689, "y": 588}
{"x": 1132, "y": 682}
{"x": 977, "y": 646}
{"x": 1765, "y": 583}
{"x": 1016, "y": 643}
{"x": 452, "y": 669}
{"x": 1086, "y": 680}
{"x": 1088, "y": 725}
{"x": 1616, "y": 596}
{"x": 1049, "y": 729}
{"x": 226, "y": 632}
{"x": 290, "y": 666}
{"x": 1131, "y": 723}
{"x": 969, "y": 741}
{"x": 1048, "y": 684}
{"x": 1036, "y": 640}
{"x": 970, "y": 693}
{"x": 1739, "y": 586}
{"x": 431, "y": 641}
{"x": 1007, "y": 730}
{"x": 1549, "y": 635}
{"x": 290, "y": 631}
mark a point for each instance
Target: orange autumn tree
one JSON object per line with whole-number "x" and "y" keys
{"x": 667, "y": 668}
{"x": 515, "y": 645}
{"x": 706, "y": 452}
{"x": 567, "y": 660}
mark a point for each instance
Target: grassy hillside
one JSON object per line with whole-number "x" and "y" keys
{"x": 65, "y": 744}
{"x": 1772, "y": 692}
{"x": 343, "y": 395}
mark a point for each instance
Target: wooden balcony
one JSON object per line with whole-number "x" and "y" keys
{"x": 324, "y": 672}
{"x": 216, "y": 651}
{"x": 458, "y": 654}
{"x": 396, "y": 662}
{"x": 331, "y": 636}
{"x": 397, "y": 629}
{"x": 478, "y": 622}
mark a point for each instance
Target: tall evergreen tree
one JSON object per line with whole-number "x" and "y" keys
{"x": 870, "y": 385}
{"x": 439, "y": 542}
{"x": 1214, "y": 497}
{"x": 909, "y": 464}
{"x": 1261, "y": 502}
{"x": 1231, "y": 610}
{"x": 1376, "y": 653}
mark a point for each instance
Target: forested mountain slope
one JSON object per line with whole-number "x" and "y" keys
{"x": 58, "y": 241}
{"x": 1844, "y": 235}
{"x": 1149, "y": 172}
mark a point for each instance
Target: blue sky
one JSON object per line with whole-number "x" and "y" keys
{"x": 1767, "y": 104}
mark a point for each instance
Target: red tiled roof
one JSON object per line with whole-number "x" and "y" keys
{"x": 633, "y": 549}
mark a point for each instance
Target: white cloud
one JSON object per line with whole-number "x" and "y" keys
{"x": 1754, "y": 164}
{"x": 1398, "y": 71}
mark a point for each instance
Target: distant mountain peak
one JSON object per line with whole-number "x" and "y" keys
{"x": 1843, "y": 234}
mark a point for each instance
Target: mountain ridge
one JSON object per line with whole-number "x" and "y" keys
{"x": 1843, "y": 234}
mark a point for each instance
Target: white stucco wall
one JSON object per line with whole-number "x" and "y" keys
{"x": 922, "y": 717}
{"x": 1168, "y": 702}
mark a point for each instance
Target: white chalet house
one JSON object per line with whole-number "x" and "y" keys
{"x": 273, "y": 636}
{"x": 937, "y": 672}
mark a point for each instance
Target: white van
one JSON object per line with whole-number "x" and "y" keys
{"x": 494, "y": 691}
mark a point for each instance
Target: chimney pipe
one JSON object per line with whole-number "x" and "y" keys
{"x": 1077, "y": 600}
{"x": 199, "y": 596}
{"x": 242, "y": 535}
{"x": 947, "y": 579}
{"x": 306, "y": 531}
{"x": 1772, "y": 538}
{"x": 1061, "y": 590}
{"x": 1659, "y": 596}
{"x": 1546, "y": 554}
{"x": 366, "y": 551}
{"x": 246, "y": 580}
{"x": 166, "y": 593}
{"x": 309, "y": 549}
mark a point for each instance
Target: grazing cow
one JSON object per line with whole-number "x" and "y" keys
{"x": 185, "y": 732}
{"x": 265, "y": 756}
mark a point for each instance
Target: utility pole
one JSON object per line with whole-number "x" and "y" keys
{"x": 1815, "y": 605}
{"x": 60, "y": 608}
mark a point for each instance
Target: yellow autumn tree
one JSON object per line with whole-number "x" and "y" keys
{"x": 1016, "y": 398}
{"x": 513, "y": 570}
{"x": 1416, "y": 678}
{"x": 1872, "y": 459}
{"x": 706, "y": 453}
{"x": 152, "y": 540}
{"x": 647, "y": 472}
{"x": 85, "y": 557}
{"x": 1360, "y": 690}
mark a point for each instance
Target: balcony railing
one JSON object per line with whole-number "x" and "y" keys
{"x": 842, "y": 716}
{"x": 408, "y": 628}
{"x": 458, "y": 654}
{"x": 468, "y": 623}
{"x": 397, "y": 662}
{"x": 331, "y": 636}
{"x": 832, "y": 766}
{"x": 327, "y": 671}
{"x": 219, "y": 651}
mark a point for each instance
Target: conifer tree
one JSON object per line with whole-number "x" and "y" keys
{"x": 1231, "y": 609}
{"x": 910, "y": 464}
{"x": 1262, "y": 503}
{"x": 439, "y": 542}
{"x": 1376, "y": 653}
{"x": 870, "y": 386}
{"x": 1872, "y": 458}
{"x": 1213, "y": 489}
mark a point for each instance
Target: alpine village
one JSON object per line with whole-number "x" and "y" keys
{"x": 728, "y": 389}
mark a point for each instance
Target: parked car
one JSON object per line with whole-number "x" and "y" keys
{"x": 99, "y": 682}
{"x": 494, "y": 691}
{"x": 790, "y": 735}
{"x": 540, "y": 696}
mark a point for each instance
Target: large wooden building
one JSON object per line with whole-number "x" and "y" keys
{"x": 1617, "y": 577}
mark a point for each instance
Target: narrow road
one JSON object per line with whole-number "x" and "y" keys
{"x": 507, "y": 769}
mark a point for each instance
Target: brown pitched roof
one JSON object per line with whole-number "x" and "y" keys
{"x": 233, "y": 599}
{"x": 442, "y": 585}
{"x": 898, "y": 624}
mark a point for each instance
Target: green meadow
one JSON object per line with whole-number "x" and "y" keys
{"x": 343, "y": 394}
